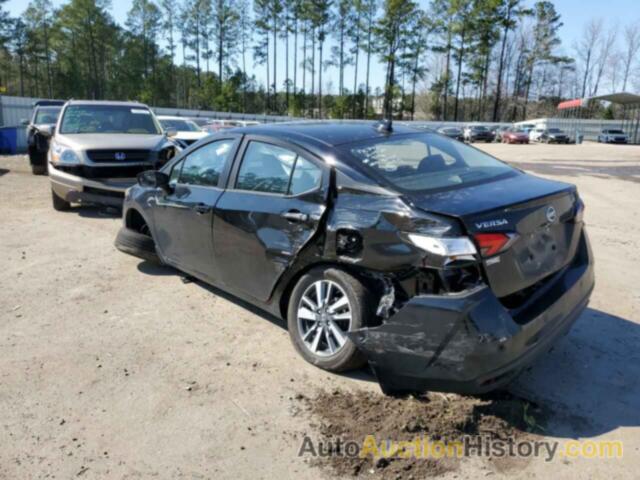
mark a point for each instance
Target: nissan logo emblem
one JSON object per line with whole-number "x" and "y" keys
{"x": 552, "y": 216}
{"x": 121, "y": 156}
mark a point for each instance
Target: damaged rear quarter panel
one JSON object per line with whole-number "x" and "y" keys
{"x": 379, "y": 220}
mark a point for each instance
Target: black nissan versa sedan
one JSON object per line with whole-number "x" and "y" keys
{"x": 440, "y": 266}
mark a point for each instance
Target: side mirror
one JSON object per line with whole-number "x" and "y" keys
{"x": 170, "y": 132}
{"x": 24, "y": 122}
{"x": 48, "y": 130}
{"x": 154, "y": 179}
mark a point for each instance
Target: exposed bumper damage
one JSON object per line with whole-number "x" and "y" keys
{"x": 469, "y": 342}
{"x": 76, "y": 189}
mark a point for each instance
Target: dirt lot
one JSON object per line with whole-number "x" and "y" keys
{"x": 114, "y": 368}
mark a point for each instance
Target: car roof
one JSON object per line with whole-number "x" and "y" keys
{"x": 172, "y": 117}
{"x": 107, "y": 102}
{"x": 327, "y": 133}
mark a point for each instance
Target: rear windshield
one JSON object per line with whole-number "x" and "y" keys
{"x": 108, "y": 119}
{"x": 426, "y": 162}
{"x": 179, "y": 125}
{"x": 47, "y": 115}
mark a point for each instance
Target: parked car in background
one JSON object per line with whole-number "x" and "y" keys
{"x": 553, "y": 135}
{"x": 217, "y": 125}
{"x": 478, "y": 133}
{"x": 185, "y": 130}
{"x": 39, "y": 130}
{"x": 498, "y": 131}
{"x": 442, "y": 266}
{"x": 452, "y": 132}
{"x": 526, "y": 127}
{"x": 612, "y": 135}
{"x": 200, "y": 121}
{"x": 515, "y": 135}
{"x": 534, "y": 134}
{"x": 99, "y": 147}
{"x": 246, "y": 123}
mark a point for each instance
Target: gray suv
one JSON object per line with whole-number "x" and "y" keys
{"x": 98, "y": 148}
{"x": 39, "y": 130}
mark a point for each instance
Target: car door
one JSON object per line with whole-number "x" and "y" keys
{"x": 272, "y": 207}
{"x": 183, "y": 218}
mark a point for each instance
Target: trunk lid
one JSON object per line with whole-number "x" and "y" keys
{"x": 540, "y": 212}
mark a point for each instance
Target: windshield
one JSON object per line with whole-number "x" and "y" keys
{"x": 108, "y": 119}
{"x": 451, "y": 130}
{"x": 616, "y": 131}
{"x": 179, "y": 125}
{"x": 427, "y": 162}
{"x": 555, "y": 130}
{"x": 479, "y": 128}
{"x": 47, "y": 115}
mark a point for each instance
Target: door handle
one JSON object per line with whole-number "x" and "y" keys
{"x": 202, "y": 208}
{"x": 295, "y": 216}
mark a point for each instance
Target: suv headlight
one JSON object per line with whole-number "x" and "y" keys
{"x": 63, "y": 155}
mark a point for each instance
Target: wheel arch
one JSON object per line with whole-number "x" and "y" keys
{"x": 134, "y": 219}
{"x": 289, "y": 284}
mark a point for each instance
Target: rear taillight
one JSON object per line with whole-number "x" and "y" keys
{"x": 492, "y": 243}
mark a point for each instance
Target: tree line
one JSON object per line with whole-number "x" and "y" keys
{"x": 485, "y": 60}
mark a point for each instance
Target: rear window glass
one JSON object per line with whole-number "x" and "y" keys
{"x": 47, "y": 115}
{"x": 426, "y": 162}
{"x": 108, "y": 119}
{"x": 179, "y": 125}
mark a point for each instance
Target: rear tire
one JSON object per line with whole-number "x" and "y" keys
{"x": 59, "y": 203}
{"x": 360, "y": 306}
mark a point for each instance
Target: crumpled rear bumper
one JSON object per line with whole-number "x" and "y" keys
{"x": 469, "y": 342}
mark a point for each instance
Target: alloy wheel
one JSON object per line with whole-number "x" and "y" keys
{"x": 324, "y": 318}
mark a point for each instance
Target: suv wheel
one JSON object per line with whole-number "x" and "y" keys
{"x": 59, "y": 203}
{"x": 39, "y": 169}
{"x": 324, "y": 305}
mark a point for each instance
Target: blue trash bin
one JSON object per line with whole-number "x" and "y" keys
{"x": 8, "y": 140}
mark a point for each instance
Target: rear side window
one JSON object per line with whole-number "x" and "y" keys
{"x": 205, "y": 165}
{"x": 272, "y": 169}
{"x": 306, "y": 177}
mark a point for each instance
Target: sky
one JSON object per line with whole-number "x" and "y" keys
{"x": 575, "y": 14}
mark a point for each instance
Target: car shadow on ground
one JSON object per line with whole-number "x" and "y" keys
{"x": 3, "y": 171}
{"x": 589, "y": 381}
{"x": 91, "y": 211}
{"x": 151, "y": 268}
{"x": 587, "y": 384}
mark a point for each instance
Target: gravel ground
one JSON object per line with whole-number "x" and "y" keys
{"x": 114, "y": 368}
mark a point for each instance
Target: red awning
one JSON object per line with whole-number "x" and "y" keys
{"x": 570, "y": 104}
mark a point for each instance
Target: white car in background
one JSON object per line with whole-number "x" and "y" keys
{"x": 534, "y": 135}
{"x": 613, "y": 135}
{"x": 186, "y": 130}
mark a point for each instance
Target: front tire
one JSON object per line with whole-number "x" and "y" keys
{"x": 38, "y": 169}
{"x": 59, "y": 203}
{"x": 324, "y": 305}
